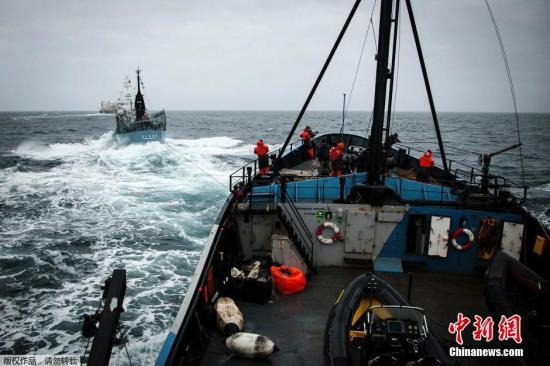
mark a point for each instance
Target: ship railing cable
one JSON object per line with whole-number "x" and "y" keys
{"x": 358, "y": 66}
{"x": 466, "y": 171}
{"x": 512, "y": 90}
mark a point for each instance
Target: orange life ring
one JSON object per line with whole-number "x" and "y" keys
{"x": 462, "y": 230}
{"x": 288, "y": 280}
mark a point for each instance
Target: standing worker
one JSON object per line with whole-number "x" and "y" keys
{"x": 323, "y": 149}
{"x": 336, "y": 155}
{"x": 306, "y": 135}
{"x": 261, "y": 149}
{"x": 426, "y": 164}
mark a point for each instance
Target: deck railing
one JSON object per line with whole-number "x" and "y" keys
{"x": 247, "y": 172}
{"x": 465, "y": 177}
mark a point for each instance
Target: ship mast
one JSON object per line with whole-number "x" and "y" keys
{"x": 139, "y": 102}
{"x": 376, "y": 157}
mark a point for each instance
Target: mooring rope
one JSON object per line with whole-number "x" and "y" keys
{"x": 196, "y": 166}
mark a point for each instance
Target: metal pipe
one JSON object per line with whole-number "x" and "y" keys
{"x": 276, "y": 164}
{"x": 409, "y": 291}
{"x": 427, "y": 84}
{"x": 392, "y": 74}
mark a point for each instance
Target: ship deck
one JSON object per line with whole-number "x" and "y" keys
{"x": 296, "y": 323}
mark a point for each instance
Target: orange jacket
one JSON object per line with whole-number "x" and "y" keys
{"x": 335, "y": 153}
{"x": 426, "y": 160}
{"x": 305, "y": 135}
{"x": 261, "y": 149}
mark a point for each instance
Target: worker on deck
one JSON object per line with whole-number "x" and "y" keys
{"x": 336, "y": 155}
{"x": 261, "y": 149}
{"x": 306, "y": 135}
{"x": 425, "y": 165}
{"x": 323, "y": 149}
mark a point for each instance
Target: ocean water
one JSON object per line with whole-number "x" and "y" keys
{"x": 74, "y": 205}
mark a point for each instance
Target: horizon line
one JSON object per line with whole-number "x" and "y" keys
{"x": 267, "y": 110}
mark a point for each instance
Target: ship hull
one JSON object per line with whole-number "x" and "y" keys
{"x": 390, "y": 237}
{"x": 141, "y": 136}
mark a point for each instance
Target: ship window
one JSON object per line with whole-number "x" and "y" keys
{"x": 417, "y": 232}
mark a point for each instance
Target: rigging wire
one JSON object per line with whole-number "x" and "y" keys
{"x": 358, "y": 66}
{"x": 374, "y": 35}
{"x": 196, "y": 166}
{"x": 510, "y": 82}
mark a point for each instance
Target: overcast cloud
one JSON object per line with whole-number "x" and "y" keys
{"x": 264, "y": 54}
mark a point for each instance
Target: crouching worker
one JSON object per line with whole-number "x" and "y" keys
{"x": 261, "y": 150}
{"x": 336, "y": 155}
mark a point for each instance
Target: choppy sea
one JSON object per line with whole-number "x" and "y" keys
{"x": 74, "y": 205}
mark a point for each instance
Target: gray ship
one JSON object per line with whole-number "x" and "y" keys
{"x": 133, "y": 122}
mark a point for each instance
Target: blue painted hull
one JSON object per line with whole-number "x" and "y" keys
{"x": 141, "y": 136}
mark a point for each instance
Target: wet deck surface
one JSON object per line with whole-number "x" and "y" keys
{"x": 296, "y": 323}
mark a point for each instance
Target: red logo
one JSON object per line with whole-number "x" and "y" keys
{"x": 457, "y": 328}
{"x": 484, "y": 328}
{"x": 508, "y": 328}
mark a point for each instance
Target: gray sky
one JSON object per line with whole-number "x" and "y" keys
{"x": 265, "y": 54}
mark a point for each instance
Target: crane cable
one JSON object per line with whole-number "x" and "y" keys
{"x": 358, "y": 65}
{"x": 512, "y": 91}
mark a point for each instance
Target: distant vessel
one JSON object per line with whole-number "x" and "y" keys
{"x": 107, "y": 107}
{"x": 133, "y": 123}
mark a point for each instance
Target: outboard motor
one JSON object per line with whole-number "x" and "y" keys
{"x": 103, "y": 326}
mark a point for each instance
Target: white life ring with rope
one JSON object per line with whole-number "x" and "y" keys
{"x": 329, "y": 225}
{"x": 457, "y": 233}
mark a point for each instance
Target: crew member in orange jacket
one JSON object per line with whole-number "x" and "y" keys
{"x": 261, "y": 149}
{"x": 306, "y": 135}
{"x": 426, "y": 164}
{"x": 336, "y": 155}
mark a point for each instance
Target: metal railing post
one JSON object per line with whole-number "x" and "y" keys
{"x": 249, "y": 173}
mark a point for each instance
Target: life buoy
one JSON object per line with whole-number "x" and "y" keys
{"x": 288, "y": 280}
{"x": 457, "y": 233}
{"x": 335, "y": 236}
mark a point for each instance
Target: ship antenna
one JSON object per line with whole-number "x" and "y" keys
{"x": 138, "y": 71}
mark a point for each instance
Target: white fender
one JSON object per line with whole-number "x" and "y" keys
{"x": 229, "y": 318}
{"x": 251, "y": 346}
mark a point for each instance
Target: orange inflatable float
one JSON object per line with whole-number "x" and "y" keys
{"x": 288, "y": 280}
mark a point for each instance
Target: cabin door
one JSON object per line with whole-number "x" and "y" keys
{"x": 439, "y": 236}
{"x": 359, "y": 232}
